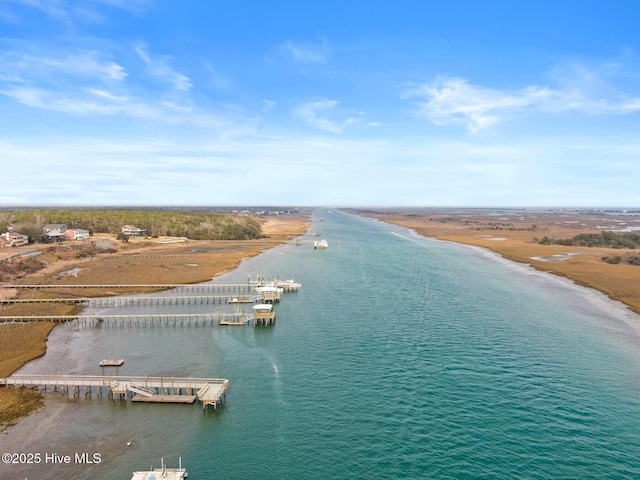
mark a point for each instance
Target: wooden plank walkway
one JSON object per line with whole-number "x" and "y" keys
{"x": 108, "y": 320}
{"x": 209, "y": 391}
{"x": 165, "y": 398}
{"x": 198, "y": 287}
{"x": 142, "y": 300}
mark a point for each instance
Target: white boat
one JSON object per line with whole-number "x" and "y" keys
{"x": 162, "y": 473}
{"x": 270, "y": 287}
{"x": 288, "y": 284}
{"x": 320, "y": 244}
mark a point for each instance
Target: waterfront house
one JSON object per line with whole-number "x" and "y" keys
{"x": 54, "y": 232}
{"x": 133, "y": 231}
{"x": 54, "y": 228}
{"x": 10, "y": 239}
{"x": 76, "y": 234}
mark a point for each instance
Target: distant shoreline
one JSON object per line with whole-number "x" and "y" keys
{"x": 511, "y": 235}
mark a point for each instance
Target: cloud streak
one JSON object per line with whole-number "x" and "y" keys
{"x": 69, "y": 12}
{"x": 158, "y": 67}
{"x": 305, "y": 53}
{"x": 455, "y": 101}
{"x": 315, "y": 113}
{"x": 86, "y": 83}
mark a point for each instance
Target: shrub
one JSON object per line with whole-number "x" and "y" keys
{"x": 613, "y": 259}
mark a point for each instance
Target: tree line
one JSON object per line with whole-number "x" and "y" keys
{"x": 602, "y": 239}
{"x": 197, "y": 225}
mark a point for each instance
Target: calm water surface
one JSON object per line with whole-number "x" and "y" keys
{"x": 400, "y": 357}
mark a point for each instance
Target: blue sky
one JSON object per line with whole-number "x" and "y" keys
{"x": 405, "y": 102}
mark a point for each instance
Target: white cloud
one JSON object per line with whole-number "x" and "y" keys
{"x": 158, "y": 66}
{"x": 268, "y": 105}
{"x": 455, "y": 101}
{"x": 217, "y": 81}
{"x": 68, "y": 12}
{"x": 451, "y": 101}
{"x": 305, "y": 53}
{"x": 90, "y": 83}
{"x": 48, "y": 68}
{"x": 310, "y": 112}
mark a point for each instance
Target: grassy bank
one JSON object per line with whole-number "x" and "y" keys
{"x": 141, "y": 261}
{"x": 19, "y": 343}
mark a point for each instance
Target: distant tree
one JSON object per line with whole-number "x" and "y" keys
{"x": 633, "y": 258}
{"x": 32, "y": 231}
{"x": 122, "y": 236}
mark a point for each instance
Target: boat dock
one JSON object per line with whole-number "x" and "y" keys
{"x": 209, "y": 391}
{"x": 128, "y": 320}
{"x": 141, "y": 300}
{"x": 197, "y": 287}
{"x": 304, "y": 242}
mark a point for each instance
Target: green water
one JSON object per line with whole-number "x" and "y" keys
{"x": 400, "y": 357}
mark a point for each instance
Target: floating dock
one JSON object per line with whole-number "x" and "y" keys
{"x": 209, "y": 391}
{"x": 116, "y": 362}
{"x": 112, "y": 363}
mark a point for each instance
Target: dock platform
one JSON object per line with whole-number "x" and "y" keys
{"x": 209, "y": 391}
{"x": 164, "y": 398}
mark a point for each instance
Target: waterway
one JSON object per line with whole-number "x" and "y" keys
{"x": 400, "y": 357}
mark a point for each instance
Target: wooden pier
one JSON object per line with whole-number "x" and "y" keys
{"x": 197, "y": 287}
{"x": 304, "y": 242}
{"x": 209, "y": 391}
{"x": 139, "y": 300}
{"x": 126, "y": 320}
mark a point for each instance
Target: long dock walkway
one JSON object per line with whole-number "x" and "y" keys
{"x": 141, "y": 300}
{"x": 198, "y": 287}
{"x": 209, "y": 391}
{"x": 162, "y": 319}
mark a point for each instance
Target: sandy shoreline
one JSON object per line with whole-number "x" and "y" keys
{"x": 512, "y": 234}
{"x": 590, "y": 295}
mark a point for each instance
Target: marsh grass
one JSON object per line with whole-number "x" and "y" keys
{"x": 20, "y": 343}
{"x": 16, "y": 403}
